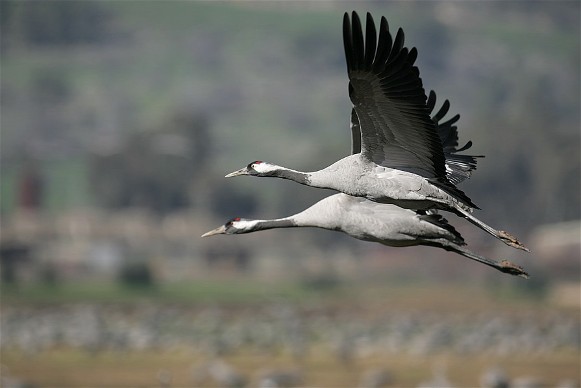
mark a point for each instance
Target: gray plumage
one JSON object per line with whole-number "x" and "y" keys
{"x": 371, "y": 221}
{"x": 403, "y": 159}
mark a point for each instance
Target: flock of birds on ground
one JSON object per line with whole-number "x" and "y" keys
{"x": 215, "y": 336}
{"x": 405, "y": 161}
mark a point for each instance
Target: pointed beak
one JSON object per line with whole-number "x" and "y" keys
{"x": 242, "y": 171}
{"x": 219, "y": 230}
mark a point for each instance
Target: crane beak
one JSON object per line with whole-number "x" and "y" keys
{"x": 242, "y": 171}
{"x": 219, "y": 230}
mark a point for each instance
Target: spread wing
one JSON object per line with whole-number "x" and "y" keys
{"x": 458, "y": 167}
{"x": 390, "y": 102}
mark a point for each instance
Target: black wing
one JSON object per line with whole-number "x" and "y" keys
{"x": 387, "y": 94}
{"x": 458, "y": 167}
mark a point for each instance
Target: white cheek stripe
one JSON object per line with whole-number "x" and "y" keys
{"x": 244, "y": 224}
{"x": 264, "y": 167}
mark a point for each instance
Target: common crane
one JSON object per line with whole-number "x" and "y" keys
{"x": 366, "y": 220}
{"x": 401, "y": 159}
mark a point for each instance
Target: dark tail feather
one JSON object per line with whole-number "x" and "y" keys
{"x": 438, "y": 220}
{"x": 449, "y": 188}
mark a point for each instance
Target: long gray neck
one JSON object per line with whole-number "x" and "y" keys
{"x": 272, "y": 224}
{"x": 296, "y": 176}
{"x": 325, "y": 214}
{"x": 310, "y": 217}
{"x": 314, "y": 179}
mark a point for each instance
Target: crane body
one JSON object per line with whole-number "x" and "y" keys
{"x": 370, "y": 221}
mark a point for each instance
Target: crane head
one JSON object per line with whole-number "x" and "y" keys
{"x": 256, "y": 168}
{"x": 234, "y": 226}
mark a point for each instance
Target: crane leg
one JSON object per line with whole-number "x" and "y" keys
{"x": 503, "y": 236}
{"x": 502, "y": 265}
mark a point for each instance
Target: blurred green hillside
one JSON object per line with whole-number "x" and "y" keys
{"x": 111, "y": 100}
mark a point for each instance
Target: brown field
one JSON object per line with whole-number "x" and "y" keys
{"x": 533, "y": 337}
{"x": 72, "y": 368}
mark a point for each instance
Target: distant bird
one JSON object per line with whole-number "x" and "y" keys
{"x": 371, "y": 221}
{"x": 401, "y": 159}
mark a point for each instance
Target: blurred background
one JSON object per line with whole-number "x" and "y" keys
{"x": 119, "y": 121}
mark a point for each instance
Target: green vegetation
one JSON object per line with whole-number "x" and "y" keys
{"x": 228, "y": 291}
{"x": 236, "y": 291}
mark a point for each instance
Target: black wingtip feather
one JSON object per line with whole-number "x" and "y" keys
{"x": 468, "y": 146}
{"x": 431, "y": 103}
{"x": 397, "y": 44}
{"x": 452, "y": 121}
{"x": 384, "y": 45}
{"x": 442, "y": 112}
{"x": 370, "y": 42}
{"x": 347, "y": 41}
{"x": 357, "y": 41}
{"x": 412, "y": 56}
{"x": 396, "y": 63}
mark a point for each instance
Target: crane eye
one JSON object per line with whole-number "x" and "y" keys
{"x": 255, "y": 163}
{"x": 232, "y": 221}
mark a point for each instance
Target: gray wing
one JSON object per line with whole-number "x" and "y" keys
{"x": 388, "y": 96}
{"x": 458, "y": 167}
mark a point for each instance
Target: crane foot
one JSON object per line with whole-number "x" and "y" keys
{"x": 513, "y": 269}
{"x": 512, "y": 241}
